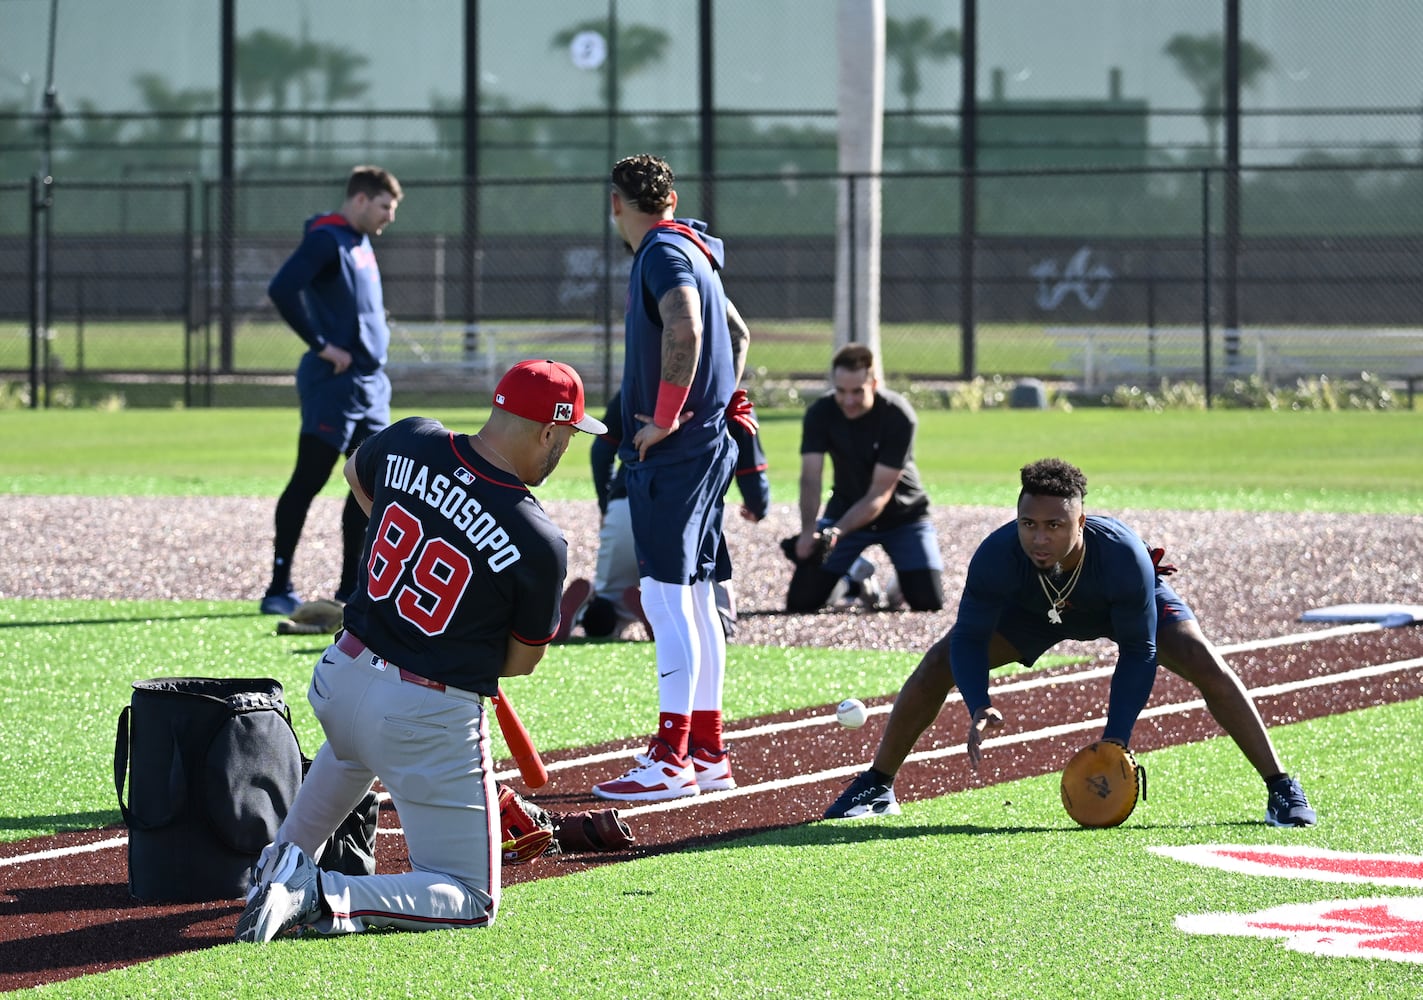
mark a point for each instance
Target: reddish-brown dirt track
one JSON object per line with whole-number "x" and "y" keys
{"x": 1247, "y": 576}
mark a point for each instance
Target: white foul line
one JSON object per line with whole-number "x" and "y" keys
{"x": 1006, "y": 687}
{"x": 1358, "y": 673}
{"x": 65, "y": 852}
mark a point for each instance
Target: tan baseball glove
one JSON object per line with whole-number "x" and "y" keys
{"x": 1101, "y": 784}
{"x": 321, "y": 617}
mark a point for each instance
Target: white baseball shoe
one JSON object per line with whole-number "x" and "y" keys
{"x": 657, "y": 775}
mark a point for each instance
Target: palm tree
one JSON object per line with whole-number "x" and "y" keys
{"x": 912, "y": 41}
{"x": 269, "y": 63}
{"x": 174, "y": 109}
{"x": 636, "y": 47}
{"x": 18, "y": 143}
{"x": 339, "y": 82}
{"x": 1201, "y": 60}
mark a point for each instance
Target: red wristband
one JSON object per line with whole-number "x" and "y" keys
{"x": 671, "y": 398}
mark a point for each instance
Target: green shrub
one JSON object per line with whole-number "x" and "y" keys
{"x": 1324, "y": 394}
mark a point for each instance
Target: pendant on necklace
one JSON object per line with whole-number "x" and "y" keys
{"x": 1054, "y": 616}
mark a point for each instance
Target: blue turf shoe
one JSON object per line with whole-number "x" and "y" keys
{"x": 280, "y": 604}
{"x": 866, "y": 796}
{"x": 1287, "y": 805}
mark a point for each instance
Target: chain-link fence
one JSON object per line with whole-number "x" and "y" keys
{"x": 1089, "y": 279}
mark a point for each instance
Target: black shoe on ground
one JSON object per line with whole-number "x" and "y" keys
{"x": 1287, "y": 805}
{"x": 866, "y": 796}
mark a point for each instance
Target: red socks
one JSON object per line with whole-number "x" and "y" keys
{"x": 700, "y": 730}
{"x": 674, "y": 730}
{"x": 706, "y": 731}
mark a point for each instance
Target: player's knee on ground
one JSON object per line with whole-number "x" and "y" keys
{"x": 923, "y": 589}
{"x": 600, "y": 617}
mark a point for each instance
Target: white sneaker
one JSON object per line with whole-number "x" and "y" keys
{"x": 872, "y": 596}
{"x": 658, "y": 774}
{"x": 291, "y": 897}
{"x": 713, "y": 770}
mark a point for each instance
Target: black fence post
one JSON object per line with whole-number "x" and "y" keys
{"x": 34, "y": 291}
{"x": 227, "y": 194}
{"x": 188, "y": 324}
{"x": 968, "y": 194}
{"x": 1206, "y": 281}
{"x": 1231, "y": 245}
{"x": 205, "y": 276}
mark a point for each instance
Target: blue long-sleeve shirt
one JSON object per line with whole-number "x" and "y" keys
{"x": 1114, "y": 598}
{"x": 329, "y": 292}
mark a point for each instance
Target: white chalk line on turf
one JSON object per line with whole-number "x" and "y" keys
{"x": 851, "y": 770}
{"x": 1005, "y": 687}
{"x": 1047, "y": 732}
{"x": 65, "y": 852}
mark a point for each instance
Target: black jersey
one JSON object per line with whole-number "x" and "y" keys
{"x": 883, "y": 436}
{"x": 458, "y": 557}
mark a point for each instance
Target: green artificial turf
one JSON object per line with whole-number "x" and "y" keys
{"x": 986, "y": 893}
{"x": 1346, "y": 462}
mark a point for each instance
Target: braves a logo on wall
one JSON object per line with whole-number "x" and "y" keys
{"x": 1388, "y": 927}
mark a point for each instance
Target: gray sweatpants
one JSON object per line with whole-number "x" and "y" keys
{"x": 431, "y": 751}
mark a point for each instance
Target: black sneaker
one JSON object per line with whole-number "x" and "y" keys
{"x": 1287, "y": 805}
{"x": 280, "y": 604}
{"x": 866, "y": 796}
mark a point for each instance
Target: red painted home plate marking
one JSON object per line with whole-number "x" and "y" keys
{"x": 1382, "y": 927}
{"x": 1378, "y": 928}
{"x": 1316, "y": 864}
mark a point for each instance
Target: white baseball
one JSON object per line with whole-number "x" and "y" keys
{"x": 852, "y": 713}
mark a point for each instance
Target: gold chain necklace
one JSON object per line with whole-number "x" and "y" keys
{"x": 1057, "y": 596}
{"x": 485, "y": 441}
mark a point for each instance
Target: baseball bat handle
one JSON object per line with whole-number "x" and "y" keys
{"x": 521, "y": 746}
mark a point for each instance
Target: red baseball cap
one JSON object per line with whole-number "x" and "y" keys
{"x": 546, "y": 392}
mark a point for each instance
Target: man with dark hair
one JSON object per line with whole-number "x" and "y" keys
{"x": 685, "y": 352}
{"x": 875, "y": 498}
{"x": 1056, "y": 573}
{"x": 329, "y": 292}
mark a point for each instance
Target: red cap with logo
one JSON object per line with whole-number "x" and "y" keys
{"x": 546, "y": 392}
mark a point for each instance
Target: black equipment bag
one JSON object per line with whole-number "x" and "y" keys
{"x": 212, "y": 768}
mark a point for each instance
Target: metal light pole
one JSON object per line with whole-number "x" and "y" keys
{"x": 42, "y": 191}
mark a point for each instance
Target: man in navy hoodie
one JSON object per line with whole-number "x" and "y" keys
{"x": 329, "y": 293}
{"x": 685, "y": 351}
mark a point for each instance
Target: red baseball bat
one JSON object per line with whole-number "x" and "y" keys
{"x": 521, "y": 747}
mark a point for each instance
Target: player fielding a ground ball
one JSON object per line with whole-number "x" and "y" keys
{"x": 1056, "y": 573}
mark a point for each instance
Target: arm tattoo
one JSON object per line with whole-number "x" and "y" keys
{"x": 681, "y": 315}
